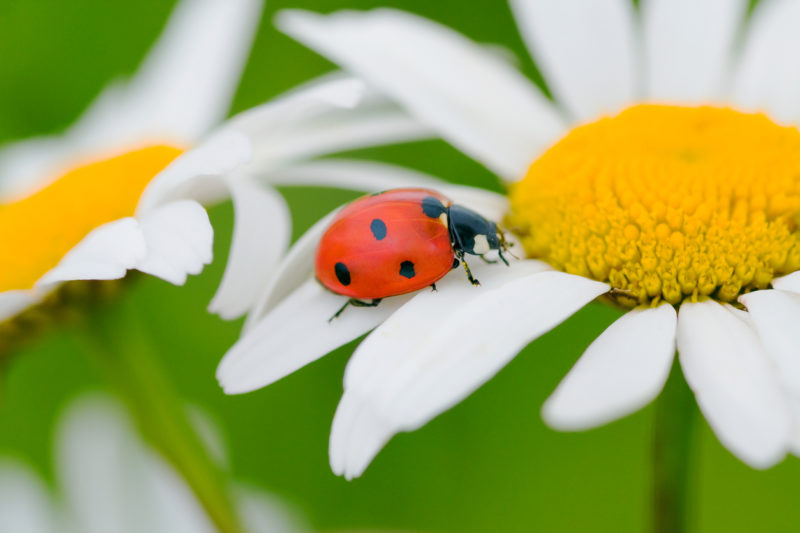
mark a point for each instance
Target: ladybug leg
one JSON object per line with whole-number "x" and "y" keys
{"x": 355, "y": 303}
{"x": 433, "y": 286}
{"x": 488, "y": 261}
{"x": 468, "y": 271}
{"x": 502, "y": 257}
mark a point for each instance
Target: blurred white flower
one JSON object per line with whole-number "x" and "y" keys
{"x": 119, "y": 189}
{"x": 109, "y": 481}
{"x": 680, "y": 207}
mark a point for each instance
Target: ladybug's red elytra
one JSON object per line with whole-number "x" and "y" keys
{"x": 399, "y": 241}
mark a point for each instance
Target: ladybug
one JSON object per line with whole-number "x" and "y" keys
{"x": 400, "y": 241}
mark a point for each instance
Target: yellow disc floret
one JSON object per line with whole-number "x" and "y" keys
{"x": 38, "y": 230}
{"x": 666, "y": 202}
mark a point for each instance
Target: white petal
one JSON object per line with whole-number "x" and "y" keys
{"x": 776, "y": 315}
{"x": 295, "y": 333}
{"x": 261, "y": 233}
{"x": 585, "y": 50}
{"x": 621, "y": 371}
{"x": 25, "y": 505}
{"x": 112, "y": 483}
{"x": 13, "y": 302}
{"x": 768, "y": 76}
{"x": 25, "y": 164}
{"x": 327, "y": 115}
{"x": 107, "y": 252}
{"x": 689, "y": 47}
{"x": 789, "y": 282}
{"x": 735, "y": 386}
{"x": 261, "y": 513}
{"x": 199, "y": 173}
{"x": 473, "y": 99}
{"x": 178, "y": 236}
{"x": 186, "y": 84}
{"x": 440, "y": 347}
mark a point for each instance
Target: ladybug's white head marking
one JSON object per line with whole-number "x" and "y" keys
{"x": 481, "y": 245}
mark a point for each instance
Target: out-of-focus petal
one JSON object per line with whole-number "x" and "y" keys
{"x": 183, "y": 88}
{"x": 621, "y": 371}
{"x": 473, "y": 99}
{"x": 586, "y": 50}
{"x": 186, "y": 83}
{"x": 734, "y": 382}
{"x": 25, "y": 505}
{"x": 178, "y": 236}
{"x": 462, "y": 336}
{"x": 12, "y": 302}
{"x": 768, "y": 75}
{"x": 261, "y": 233}
{"x": 107, "y": 252}
{"x": 689, "y": 46}
{"x": 295, "y": 333}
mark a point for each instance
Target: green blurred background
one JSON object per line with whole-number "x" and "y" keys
{"x": 489, "y": 464}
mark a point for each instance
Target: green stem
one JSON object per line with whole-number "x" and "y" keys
{"x": 117, "y": 340}
{"x": 672, "y": 444}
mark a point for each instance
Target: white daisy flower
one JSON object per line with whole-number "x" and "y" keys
{"x": 119, "y": 189}
{"x": 109, "y": 480}
{"x": 666, "y": 170}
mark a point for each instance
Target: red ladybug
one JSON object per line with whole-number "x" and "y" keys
{"x": 399, "y": 241}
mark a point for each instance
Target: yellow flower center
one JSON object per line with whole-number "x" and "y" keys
{"x": 667, "y": 202}
{"x": 38, "y": 230}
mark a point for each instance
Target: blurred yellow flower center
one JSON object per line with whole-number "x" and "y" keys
{"x": 667, "y": 203}
{"x": 38, "y": 230}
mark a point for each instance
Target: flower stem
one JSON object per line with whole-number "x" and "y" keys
{"x": 672, "y": 441}
{"x": 116, "y": 338}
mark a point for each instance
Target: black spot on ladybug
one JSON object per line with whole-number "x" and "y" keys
{"x": 407, "y": 269}
{"x": 432, "y": 206}
{"x": 456, "y": 263}
{"x": 378, "y": 228}
{"x": 342, "y": 273}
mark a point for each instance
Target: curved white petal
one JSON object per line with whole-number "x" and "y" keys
{"x": 199, "y": 173}
{"x": 295, "y": 333}
{"x": 789, "y": 282}
{"x": 734, "y": 383}
{"x": 776, "y": 315}
{"x": 186, "y": 83}
{"x": 440, "y": 347}
{"x": 330, "y": 114}
{"x": 25, "y": 505}
{"x": 178, "y": 236}
{"x": 261, "y": 233}
{"x": 585, "y": 50}
{"x": 621, "y": 371}
{"x": 478, "y": 102}
{"x": 107, "y": 252}
{"x": 689, "y": 47}
{"x": 768, "y": 76}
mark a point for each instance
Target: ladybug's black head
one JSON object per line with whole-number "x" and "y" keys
{"x": 470, "y": 233}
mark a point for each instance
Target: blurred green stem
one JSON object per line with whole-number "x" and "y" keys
{"x": 672, "y": 442}
{"x": 116, "y": 338}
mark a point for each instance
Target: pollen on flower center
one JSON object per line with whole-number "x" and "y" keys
{"x": 667, "y": 202}
{"x": 38, "y": 230}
